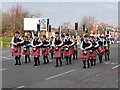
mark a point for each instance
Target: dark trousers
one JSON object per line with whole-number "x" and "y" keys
{"x": 36, "y": 60}
{"x": 107, "y": 56}
{"x": 27, "y": 56}
{"x": 52, "y": 55}
{"x": 45, "y": 57}
{"x": 57, "y": 62}
{"x": 17, "y": 59}
{"x": 84, "y": 63}
{"x": 68, "y": 58}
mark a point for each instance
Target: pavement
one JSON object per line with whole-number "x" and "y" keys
{"x": 103, "y": 75}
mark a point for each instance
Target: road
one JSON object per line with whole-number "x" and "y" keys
{"x": 103, "y": 75}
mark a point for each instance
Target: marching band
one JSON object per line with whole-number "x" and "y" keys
{"x": 64, "y": 47}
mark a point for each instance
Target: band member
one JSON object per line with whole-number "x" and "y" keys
{"x": 93, "y": 51}
{"x": 51, "y": 48}
{"x": 75, "y": 52}
{"x": 45, "y": 49}
{"x": 62, "y": 48}
{"x": 17, "y": 42}
{"x": 85, "y": 46}
{"x": 26, "y": 49}
{"x": 68, "y": 43}
{"x": 36, "y": 43}
{"x": 57, "y": 43}
{"x": 100, "y": 49}
{"x": 106, "y": 47}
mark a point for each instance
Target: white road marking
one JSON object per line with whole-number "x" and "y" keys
{"x": 60, "y": 74}
{"x": 3, "y": 69}
{"x": 20, "y": 87}
{"x": 6, "y": 58}
{"x": 115, "y": 66}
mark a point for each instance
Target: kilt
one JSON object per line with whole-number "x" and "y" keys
{"x": 101, "y": 52}
{"x": 46, "y": 52}
{"x": 18, "y": 53}
{"x": 75, "y": 50}
{"x": 93, "y": 55}
{"x": 26, "y": 53}
{"x": 36, "y": 53}
{"x": 51, "y": 50}
{"x": 57, "y": 54}
{"x": 69, "y": 53}
{"x": 82, "y": 56}
{"x": 106, "y": 50}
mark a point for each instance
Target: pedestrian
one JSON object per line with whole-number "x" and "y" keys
{"x": 107, "y": 43}
{"x": 26, "y": 49}
{"x": 85, "y": 46}
{"x": 68, "y": 44}
{"x": 57, "y": 43}
{"x": 17, "y": 42}
{"x": 51, "y": 48}
{"x": 45, "y": 49}
{"x": 36, "y": 43}
{"x": 93, "y": 51}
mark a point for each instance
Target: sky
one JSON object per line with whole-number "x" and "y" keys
{"x": 60, "y": 12}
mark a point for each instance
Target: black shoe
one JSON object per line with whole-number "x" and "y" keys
{"x": 84, "y": 67}
{"x": 25, "y": 62}
{"x": 16, "y": 64}
{"x": 19, "y": 63}
{"x": 66, "y": 63}
{"x": 56, "y": 66}
{"x": 29, "y": 60}
{"x": 70, "y": 63}
{"x": 35, "y": 64}
{"x": 88, "y": 66}
{"x": 47, "y": 61}
{"x": 44, "y": 63}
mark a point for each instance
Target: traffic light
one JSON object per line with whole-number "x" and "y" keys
{"x": 83, "y": 28}
{"x": 107, "y": 31}
{"x": 87, "y": 31}
{"x": 76, "y": 26}
{"x": 47, "y": 24}
{"x": 49, "y": 28}
{"x": 38, "y": 27}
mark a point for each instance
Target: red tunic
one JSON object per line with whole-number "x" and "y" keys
{"x": 69, "y": 53}
{"x": 93, "y": 55}
{"x": 106, "y": 50}
{"x": 46, "y": 52}
{"x": 26, "y": 53}
{"x": 36, "y": 53}
{"x": 18, "y": 53}
{"x": 82, "y": 56}
{"x": 57, "y": 54}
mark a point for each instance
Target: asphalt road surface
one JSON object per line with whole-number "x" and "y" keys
{"x": 103, "y": 75}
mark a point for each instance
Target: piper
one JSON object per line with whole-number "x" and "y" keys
{"x": 17, "y": 42}
{"x": 85, "y": 46}
{"x": 68, "y": 43}
{"x": 57, "y": 43}
{"x": 45, "y": 49}
{"x": 36, "y": 43}
{"x": 26, "y": 49}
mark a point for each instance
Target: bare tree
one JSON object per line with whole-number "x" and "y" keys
{"x": 13, "y": 19}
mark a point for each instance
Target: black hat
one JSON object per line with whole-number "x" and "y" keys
{"x": 67, "y": 34}
{"x": 107, "y": 35}
{"x": 85, "y": 35}
{"x": 74, "y": 36}
{"x": 17, "y": 32}
{"x": 92, "y": 36}
{"x": 57, "y": 33}
{"x": 52, "y": 37}
{"x": 26, "y": 36}
{"x": 44, "y": 36}
{"x": 36, "y": 34}
{"x": 62, "y": 35}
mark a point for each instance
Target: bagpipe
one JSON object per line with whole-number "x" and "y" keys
{"x": 26, "y": 45}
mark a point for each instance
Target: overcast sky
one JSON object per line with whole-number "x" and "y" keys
{"x": 72, "y": 12}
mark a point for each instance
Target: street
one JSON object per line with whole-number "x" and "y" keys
{"x": 103, "y": 75}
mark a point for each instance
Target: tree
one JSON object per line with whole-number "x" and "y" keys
{"x": 13, "y": 19}
{"x": 88, "y": 21}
